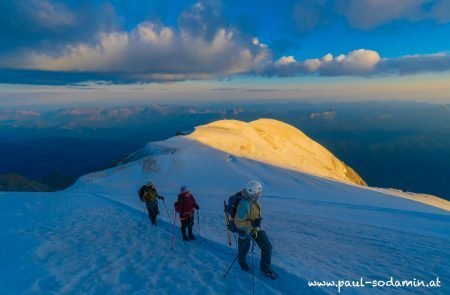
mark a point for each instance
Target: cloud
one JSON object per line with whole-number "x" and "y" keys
{"x": 358, "y": 62}
{"x": 41, "y": 77}
{"x": 50, "y": 25}
{"x": 441, "y": 11}
{"x": 415, "y": 64}
{"x": 368, "y": 14}
{"x": 151, "y": 53}
{"x": 47, "y": 14}
{"x": 200, "y": 47}
{"x": 285, "y": 61}
{"x": 361, "y": 62}
{"x": 60, "y": 44}
{"x": 309, "y": 14}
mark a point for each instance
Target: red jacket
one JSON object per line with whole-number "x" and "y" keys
{"x": 185, "y": 205}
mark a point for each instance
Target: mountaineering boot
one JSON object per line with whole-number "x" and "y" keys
{"x": 245, "y": 268}
{"x": 191, "y": 235}
{"x": 183, "y": 233}
{"x": 152, "y": 218}
{"x": 270, "y": 274}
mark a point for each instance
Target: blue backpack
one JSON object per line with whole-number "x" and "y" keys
{"x": 231, "y": 209}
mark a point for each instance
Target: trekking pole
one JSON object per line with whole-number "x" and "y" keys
{"x": 198, "y": 222}
{"x": 142, "y": 217}
{"x": 253, "y": 269}
{"x": 236, "y": 257}
{"x": 173, "y": 231}
{"x": 226, "y": 222}
{"x": 231, "y": 265}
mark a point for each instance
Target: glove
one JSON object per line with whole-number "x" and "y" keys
{"x": 161, "y": 197}
{"x": 197, "y": 207}
{"x": 254, "y": 233}
{"x": 256, "y": 222}
{"x": 234, "y": 229}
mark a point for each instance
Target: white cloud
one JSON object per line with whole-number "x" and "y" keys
{"x": 285, "y": 60}
{"x": 357, "y": 62}
{"x": 153, "y": 52}
{"x": 361, "y": 62}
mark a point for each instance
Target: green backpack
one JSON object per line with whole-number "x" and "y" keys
{"x": 147, "y": 194}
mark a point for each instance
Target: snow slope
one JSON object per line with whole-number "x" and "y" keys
{"x": 87, "y": 239}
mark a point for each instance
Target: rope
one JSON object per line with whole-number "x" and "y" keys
{"x": 198, "y": 222}
{"x": 173, "y": 231}
{"x": 167, "y": 211}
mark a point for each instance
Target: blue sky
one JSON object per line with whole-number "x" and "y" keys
{"x": 306, "y": 47}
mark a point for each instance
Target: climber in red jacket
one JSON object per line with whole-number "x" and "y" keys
{"x": 185, "y": 205}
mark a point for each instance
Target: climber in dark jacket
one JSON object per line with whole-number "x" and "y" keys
{"x": 150, "y": 196}
{"x": 185, "y": 206}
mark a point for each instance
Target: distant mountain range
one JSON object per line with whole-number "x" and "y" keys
{"x": 15, "y": 182}
{"x": 402, "y": 145}
{"x": 98, "y": 117}
{"x": 49, "y": 183}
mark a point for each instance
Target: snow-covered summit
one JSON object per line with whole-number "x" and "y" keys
{"x": 277, "y": 143}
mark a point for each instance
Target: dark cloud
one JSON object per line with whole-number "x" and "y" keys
{"x": 415, "y": 64}
{"x": 309, "y": 14}
{"x": 202, "y": 20}
{"x": 50, "y": 25}
{"x": 367, "y": 14}
{"x": 39, "y": 77}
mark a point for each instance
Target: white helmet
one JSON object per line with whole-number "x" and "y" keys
{"x": 253, "y": 189}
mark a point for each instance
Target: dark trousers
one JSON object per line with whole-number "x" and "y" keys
{"x": 266, "y": 250}
{"x": 153, "y": 210}
{"x": 187, "y": 223}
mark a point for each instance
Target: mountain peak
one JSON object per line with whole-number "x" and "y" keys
{"x": 276, "y": 143}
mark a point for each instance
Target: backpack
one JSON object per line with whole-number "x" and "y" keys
{"x": 231, "y": 210}
{"x": 233, "y": 203}
{"x": 146, "y": 194}
{"x": 141, "y": 193}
